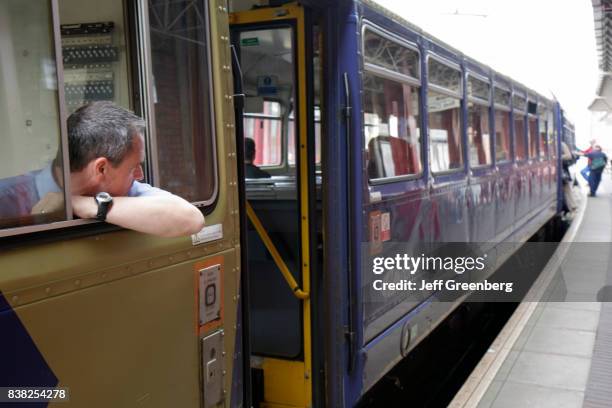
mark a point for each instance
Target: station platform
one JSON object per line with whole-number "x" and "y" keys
{"x": 556, "y": 349}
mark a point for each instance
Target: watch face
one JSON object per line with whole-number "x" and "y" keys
{"x": 103, "y": 197}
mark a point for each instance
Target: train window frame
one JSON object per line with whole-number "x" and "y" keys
{"x": 284, "y": 143}
{"x": 531, "y": 101}
{"x": 453, "y": 94}
{"x": 542, "y": 115}
{"x": 519, "y": 93}
{"x": 385, "y": 73}
{"x": 70, "y": 221}
{"x": 508, "y": 111}
{"x": 481, "y": 102}
{"x": 369, "y": 26}
{"x": 142, "y": 32}
{"x": 142, "y": 97}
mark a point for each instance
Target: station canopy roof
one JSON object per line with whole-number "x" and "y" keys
{"x": 602, "y": 14}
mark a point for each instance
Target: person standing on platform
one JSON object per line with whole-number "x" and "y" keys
{"x": 597, "y": 164}
{"x": 585, "y": 171}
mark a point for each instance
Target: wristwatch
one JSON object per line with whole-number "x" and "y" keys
{"x": 105, "y": 202}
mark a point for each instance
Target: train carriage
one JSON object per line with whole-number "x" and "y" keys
{"x": 371, "y": 138}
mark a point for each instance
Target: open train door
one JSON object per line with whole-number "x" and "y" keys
{"x": 273, "y": 76}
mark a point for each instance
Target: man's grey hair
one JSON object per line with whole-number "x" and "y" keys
{"x": 101, "y": 129}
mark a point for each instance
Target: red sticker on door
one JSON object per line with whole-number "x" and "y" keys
{"x": 385, "y": 227}
{"x": 375, "y": 238}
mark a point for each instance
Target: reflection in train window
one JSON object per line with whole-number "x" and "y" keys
{"x": 183, "y": 91}
{"x": 392, "y": 135}
{"x": 31, "y": 165}
{"x": 388, "y": 54}
{"x": 502, "y": 97}
{"x": 502, "y": 136}
{"x": 543, "y": 135}
{"x": 479, "y": 135}
{"x": 444, "y": 132}
{"x": 265, "y": 128}
{"x": 478, "y": 89}
{"x": 520, "y": 150}
{"x": 444, "y": 76}
{"x": 532, "y": 136}
{"x": 552, "y": 140}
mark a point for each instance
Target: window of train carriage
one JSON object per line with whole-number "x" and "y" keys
{"x": 31, "y": 157}
{"x": 444, "y": 115}
{"x": 391, "y": 108}
{"x": 265, "y": 129}
{"x": 503, "y": 143}
{"x": 544, "y": 154}
{"x": 291, "y": 138}
{"x": 552, "y": 139}
{"x": 479, "y": 130}
{"x": 520, "y": 148}
{"x": 532, "y": 129}
{"x": 183, "y": 90}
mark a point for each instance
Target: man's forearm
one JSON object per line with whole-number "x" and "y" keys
{"x": 163, "y": 215}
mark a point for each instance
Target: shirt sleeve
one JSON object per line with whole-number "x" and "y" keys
{"x": 139, "y": 189}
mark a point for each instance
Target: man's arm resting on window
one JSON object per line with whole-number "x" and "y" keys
{"x": 165, "y": 215}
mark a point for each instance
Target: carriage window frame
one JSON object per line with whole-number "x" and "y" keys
{"x": 542, "y": 115}
{"x": 500, "y": 89}
{"x": 518, "y": 94}
{"x": 453, "y": 94}
{"x": 531, "y": 116}
{"x": 481, "y": 102}
{"x": 385, "y": 73}
{"x": 141, "y": 30}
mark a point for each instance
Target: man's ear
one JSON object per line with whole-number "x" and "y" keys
{"x": 100, "y": 167}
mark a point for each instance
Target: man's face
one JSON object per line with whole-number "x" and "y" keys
{"x": 119, "y": 179}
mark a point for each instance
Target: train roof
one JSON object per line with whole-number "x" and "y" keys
{"x": 491, "y": 72}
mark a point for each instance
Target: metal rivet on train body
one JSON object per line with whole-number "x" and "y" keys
{"x": 47, "y": 290}
{"x": 224, "y": 372}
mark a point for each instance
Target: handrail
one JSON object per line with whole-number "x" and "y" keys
{"x": 297, "y": 291}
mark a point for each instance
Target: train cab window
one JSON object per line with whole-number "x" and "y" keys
{"x": 444, "y": 115}
{"x": 182, "y": 96}
{"x": 519, "y": 106}
{"x": 544, "y": 154}
{"x": 478, "y": 129}
{"x": 502, "y": 125}
{"x": 391, "y": 108}
{"x": 31, "y": 158}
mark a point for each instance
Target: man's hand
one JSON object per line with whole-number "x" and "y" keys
{"x": 50, "y": 203}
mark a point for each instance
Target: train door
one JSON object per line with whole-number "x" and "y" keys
{"x": 278, "y": 132}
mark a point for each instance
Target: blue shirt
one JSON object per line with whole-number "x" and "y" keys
{"x": 19, "y": 194}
